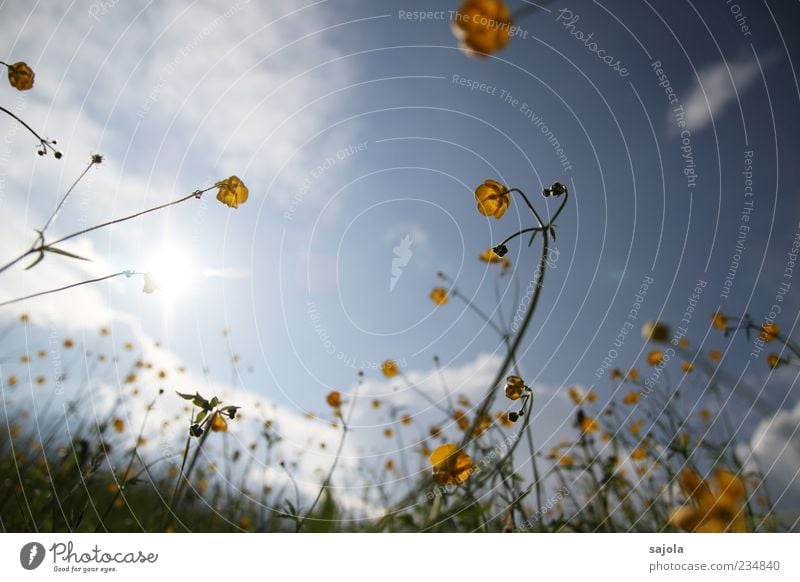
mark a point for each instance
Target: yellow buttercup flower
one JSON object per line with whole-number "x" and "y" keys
{"x": 774, "y": 360}
{"x": 714, "y": 355}
{"x": 450, "y": 465}
{"x": 232, "y": 192}
{"x": 655, "y": 357}
{"x": 589, "y": 425}
{"x": 388, "y": 433}
{"x": 566, "y": 461}
{"x": 493, "y": 199}
{"x": 119, "y": 425}
{"x": 439, "y": 295}
{"x": 461, "y": 419}
{"x": 489, "y": 256}
{"x": 334, "y": 399}
{"x": 406, "y": 419}
{"x": 719, "y": 321}
{"x": 687, "y": 367}
{"x": 390, "y": 369}
{"x": 631, "y": 398}
{"x": 219, "y": 424}
{"x": 514, "y": 387}
{"x": 21, "y": 76}
{"x": 769, "y": 331}
{"x": 633, "y": 375}
{"x": 638, "y": 454}
{"x": 713, "y": 508}
{"x": 482, "y": 26}
{"x": 636, "y": 427}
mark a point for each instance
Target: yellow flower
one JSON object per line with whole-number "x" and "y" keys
{"x": 390, "y": 465}
{"x": 334, "y": 399}
{"x": 450, "y": 465}
{"x": 40, "y": 380}
{"x": 714, "y": 355}
{"x": 482, "y": 26}
{"x": 636, "y": 427}
{"x": 589, "y": 425}
{"x": 489, "y": 256}
{"x": 566, "y": 461}
{"x": 69, "y": 344}
{"x": 575, "y": 395}
{"x": 482, "y": 425}
{"x": 514, "y": 387}
{"x": 655, "y": 357}
{"x": 439, "y": 295}
{"x": 631, "y": 398}
{"x": 638, "y": 454}
{"x": 388, "y": 432}
{"x": 435, "y": 431}
{"x": 389, "y": 369}
{"x": 719, "y": 321}
{"x": 493, "y": 199}
{"x": 376, "y": 404}
{"x": 655, "y": 331}
{"x": 615, "y": 374}
{"x": 713, "y": 508}
{"x": 769, "y": 331}
{"x": 219, "y": 424}
{"x": 633, "y": 374}
{"x": 687, "y": 367}
{"x": 21, "y": 76}
{"x": 591, "y": 396}
{"x": 232, "y": 192}
{"x": 12, "y": 380}
{"x": 119, "y": 425}
{"x": 406, "y": 419}
{"x": 774, "y": 360}
{"x": 503, "y": 419}
{"x": 461, "y": 419}
{"x": 683, "y": 342}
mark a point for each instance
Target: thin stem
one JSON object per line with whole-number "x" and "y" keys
{"x": 528, "y": 202}
{"x": 64, "y": 199}
{"x": 455, "y": 293}
{"x": 48, "y": 292}
{"x": 525, "y": 10}
{"x": 44, "y": 143}
{"x": 515, "y": 235}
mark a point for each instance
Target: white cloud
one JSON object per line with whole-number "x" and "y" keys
{"x": 714, "y": 92}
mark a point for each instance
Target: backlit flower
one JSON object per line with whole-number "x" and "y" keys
{"x": 439, "y": 295}
{"x": 774, "y": 360}
{"x": 638, "y": 454}
{"x": 461, "y": 419}
{"x": 21, "y": 76}
{"x": 219, "y": 424}
{"x": 714, "y": 355}
{"x": 406, "y": 419}
{"x": 493, "y": 199}
{"x": 232, "y": 192}
{"x": 636, "y": 427}
{"x": 151, "y": 283}
{"x": 482, "y": 26}
{"x": 714, "y": 507}
{"x": 633, "y": 375}
{"x": 119, "y": 424}
{"x": 514, "y": 387}
{"x": 489, "y": 256}
{"x": 687, "y": 367}
{"x": 390, "y": 369}
{"x": 12, "y": 380}
{"x": 388, "y": 433}
{"x": 589, "y": 425}
{"x": 450, "y": 465}
{"x": 769, "y": 331}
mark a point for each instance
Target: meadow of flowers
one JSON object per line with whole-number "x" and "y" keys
{"x": 647, "y": 459}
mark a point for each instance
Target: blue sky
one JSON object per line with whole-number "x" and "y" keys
{"x": 353, "y": 129}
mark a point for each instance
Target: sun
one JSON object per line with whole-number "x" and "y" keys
{"x": 172, "y": 269}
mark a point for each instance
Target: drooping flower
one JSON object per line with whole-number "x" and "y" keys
{"x": 439, "y": 295}
{"x": 769, "y": 331}
{"x": 450, "y": 465}
{"x": 514, "y": 387}
{"x": 489, "y": 256}
{"x": 493, "y": 199}
{"x": 21, "y": 76}
{"x": 232, "y": 192}
{"x": 655, "y": 331}
{"x": 390, "y": 369}
{"x": 219, "y": 424}
{"x": 483, "y": 27}
{"x": 714, "y": 507}
{"x": 774, "y": 360}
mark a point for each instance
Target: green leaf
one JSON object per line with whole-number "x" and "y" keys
{"x": 64, "y": 253}
{"x": 200, "y": 416}
{"x": 36, "y": 262}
